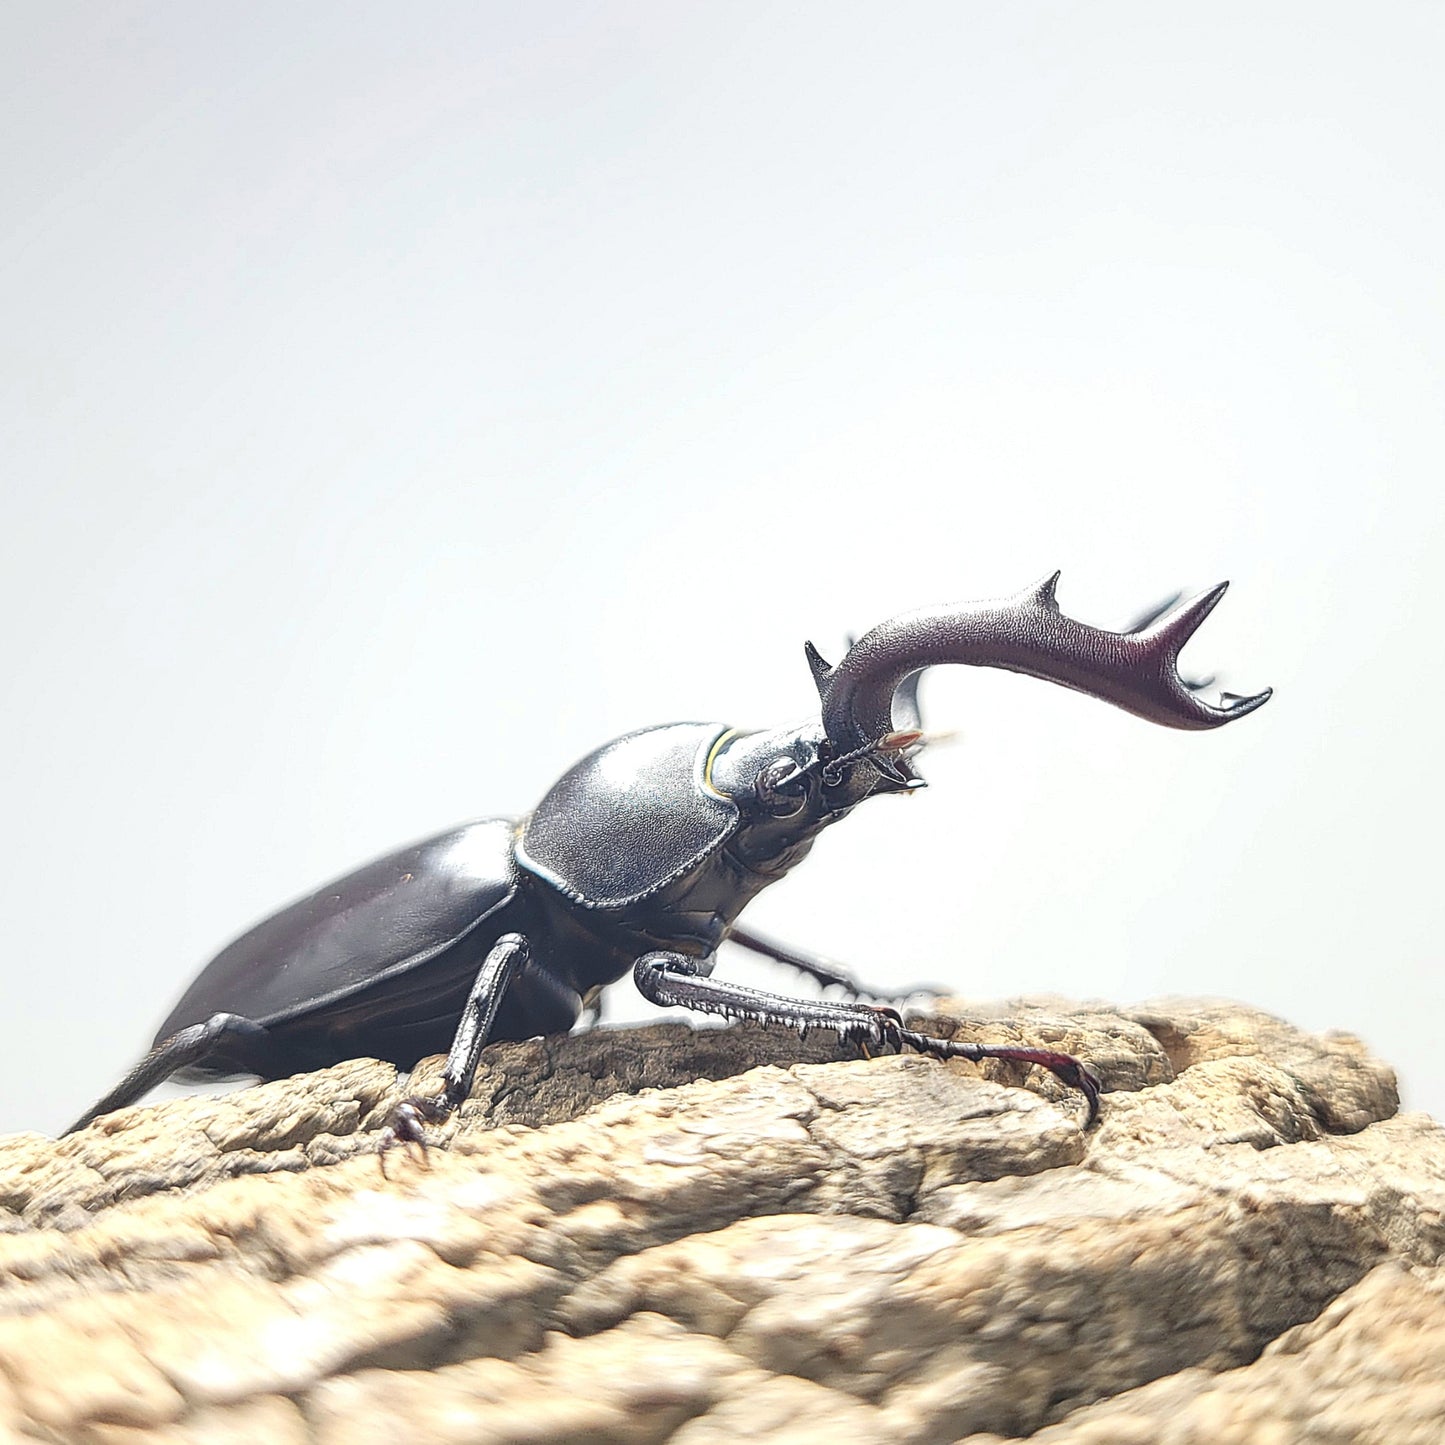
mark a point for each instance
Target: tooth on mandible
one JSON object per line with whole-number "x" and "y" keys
{"x": 819, "y": 667}
{"x": 1042, "y": 593}
{"x": 1169, "y": 634}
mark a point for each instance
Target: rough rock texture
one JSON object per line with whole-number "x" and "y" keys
{"x": 660, "y": 1235}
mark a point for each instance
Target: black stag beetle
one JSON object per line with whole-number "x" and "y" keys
{"x": 641, "y": 857}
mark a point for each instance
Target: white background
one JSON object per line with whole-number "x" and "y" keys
{"x": 399, "y": 400}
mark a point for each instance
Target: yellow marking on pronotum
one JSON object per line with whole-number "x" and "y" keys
{"x": 723, "y": 740}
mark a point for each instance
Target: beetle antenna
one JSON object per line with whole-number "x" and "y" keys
{"x": 877, "y": 750}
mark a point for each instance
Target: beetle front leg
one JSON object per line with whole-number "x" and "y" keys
{"x": 504, "y": 961}
{"x": 672, "y": 979}
{"x": 677, "y": 980}
{"x": 1064, "y": 1067}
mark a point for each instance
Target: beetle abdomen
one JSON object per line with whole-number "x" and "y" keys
{"x": 387, "y": 918}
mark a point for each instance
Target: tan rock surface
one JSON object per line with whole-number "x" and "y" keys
{"x": 656, "y": 1235}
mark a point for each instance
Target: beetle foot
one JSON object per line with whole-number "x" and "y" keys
{"x": 871, "y": 1026}
{"x": 1078, "y": 1075}
{"x": 407, "y": 1126}
{"x": 1072, "y": 1072}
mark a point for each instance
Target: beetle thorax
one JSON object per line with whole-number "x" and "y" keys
{"x": 689, "y": 816}
{"x": 630, "y": 818}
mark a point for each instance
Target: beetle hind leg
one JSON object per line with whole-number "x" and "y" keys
{"x": 244, "y": 1039}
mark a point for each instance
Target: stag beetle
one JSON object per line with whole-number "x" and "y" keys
{"x": 641, "y": 857}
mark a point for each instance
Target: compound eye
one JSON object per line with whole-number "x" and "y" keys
{"x": 782, "y": 788}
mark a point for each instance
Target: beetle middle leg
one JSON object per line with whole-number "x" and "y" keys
{"x": 507, "y": 957}
{"x": 671, "y": 979}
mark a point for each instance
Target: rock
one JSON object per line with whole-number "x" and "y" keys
{"x": 661, "y": 1235}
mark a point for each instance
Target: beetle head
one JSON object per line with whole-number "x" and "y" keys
{"x": 790, "y": 783}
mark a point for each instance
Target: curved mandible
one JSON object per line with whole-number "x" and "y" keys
{"x": 1028, "y": 633}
